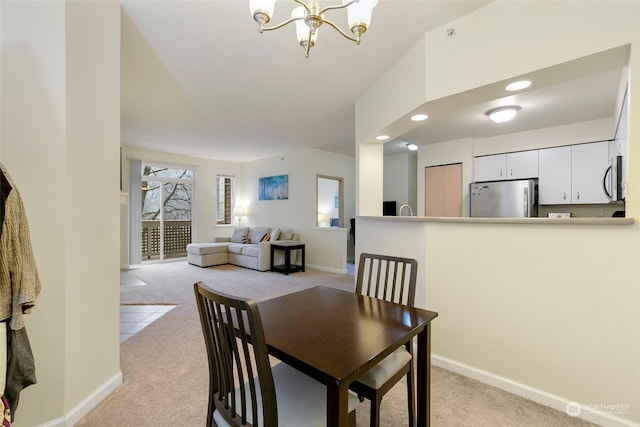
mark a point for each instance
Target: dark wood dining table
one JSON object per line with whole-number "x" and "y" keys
{"x": 335, "y": 336}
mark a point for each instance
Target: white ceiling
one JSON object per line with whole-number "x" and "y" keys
{"x": 199, "y": 79}
{"x": 584, "y": 89}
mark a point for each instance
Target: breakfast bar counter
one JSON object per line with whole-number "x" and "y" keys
{"x": 477, "y": 220}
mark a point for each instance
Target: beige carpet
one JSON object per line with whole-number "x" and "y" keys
{"x": 165, "y": 369}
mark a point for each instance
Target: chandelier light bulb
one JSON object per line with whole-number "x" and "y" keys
{"x": 359, "y": 15}
{"x": 262, "y": 11}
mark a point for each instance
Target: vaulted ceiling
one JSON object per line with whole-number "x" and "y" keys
{"x": 198, "y": 79}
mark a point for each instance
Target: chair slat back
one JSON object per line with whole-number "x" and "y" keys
{"x": 387, "y": 277}
{"x": 239, "y": 370}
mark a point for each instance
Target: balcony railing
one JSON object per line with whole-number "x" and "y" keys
{"x": 177, "y": 235}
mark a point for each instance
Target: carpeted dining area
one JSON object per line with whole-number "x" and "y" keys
{"x": 165, "y": 373}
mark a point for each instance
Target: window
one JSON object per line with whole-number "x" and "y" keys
{"x": 225, "y": 192}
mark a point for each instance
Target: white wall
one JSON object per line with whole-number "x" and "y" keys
{"x": 400, "y": 180}
{"x": 556, "y": 325}
{"x": 59, "y": 139}
{"x": 574, "y": 133}
{"x": 369, "y": 178}
{"x": 325, "y": 248}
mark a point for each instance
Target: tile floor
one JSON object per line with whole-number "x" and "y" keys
{"x": 134, "y": 318}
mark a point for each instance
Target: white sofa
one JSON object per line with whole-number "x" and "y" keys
{"x": 248, "y": 247}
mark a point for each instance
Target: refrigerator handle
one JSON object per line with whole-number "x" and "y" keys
{"x": 526, "y": 202}
{"x": 604, "y": 182}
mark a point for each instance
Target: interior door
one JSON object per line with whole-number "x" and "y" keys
{"x": 443, "y": 190}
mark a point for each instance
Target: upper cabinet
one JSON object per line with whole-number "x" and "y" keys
{"x": 523, "y": 164}
{"x": 491, "y": 168}
{"x": 589, "y": 164}
{"x": 573, "y": 174}
{"x": 520, "y": 165}
{"x": 554, "y": 184}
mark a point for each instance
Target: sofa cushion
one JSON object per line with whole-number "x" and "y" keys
{"x": 258, "y": 233}
{"x": 250, "y": 250}
{"x": 239, "y": 233}
{"x": 207, "y": 248}
{"x": 275, "y": 234}
{"x": 286, "y": 235}
{"x": 235, "y": 248}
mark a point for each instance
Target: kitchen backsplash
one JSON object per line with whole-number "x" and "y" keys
{"x": 582, "y": 211}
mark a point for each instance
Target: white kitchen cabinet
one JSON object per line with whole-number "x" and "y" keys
{"x": 491, "y": 168}
{"x": 498, "y": 167}
{"x": 573, "y": 174}
{"x": 522, "y": 165}
{"x": 554, "y": 183}
{"x": 589, "y": 162}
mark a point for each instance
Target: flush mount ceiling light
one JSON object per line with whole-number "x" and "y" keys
{"x": 382, "y": 137}
{"x": 309, "y": 17}
{"x": 519, "y": 85}
{"x": 503, "y": 114}
{"x": 419, "y": 117}
{"x": 412, "y": 147}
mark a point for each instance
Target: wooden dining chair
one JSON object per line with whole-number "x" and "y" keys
{"x": 244, "y": 389}
{"x": 392, "y": 279}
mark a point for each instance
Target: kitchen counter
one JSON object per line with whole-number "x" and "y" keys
{"x": 476, "y": 220}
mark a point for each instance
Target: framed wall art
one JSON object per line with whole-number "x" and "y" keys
{"x": 273, "y": 187}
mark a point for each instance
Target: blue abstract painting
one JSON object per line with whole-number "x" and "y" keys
{"x": 273, "y": 188}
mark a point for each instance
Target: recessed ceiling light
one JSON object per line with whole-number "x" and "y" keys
{"x": 519, "y": 85}
{"x": 412, "y": 147}
{"x": 419, "y": 117}
{"x": 503, "y": 114}
{"x": 382, "y": 137}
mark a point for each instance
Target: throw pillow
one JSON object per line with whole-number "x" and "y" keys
{"x": 275, "y": 233}
{"x": 257, "y": 234}
{"x": 286, "y": 235}
{"x": 239, "y": 233}
{"x": 266, "y": 238}
{"x": 245, "y": 239}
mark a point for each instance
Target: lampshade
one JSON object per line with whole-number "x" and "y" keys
{"x": 302, "y": 29}
{"x": 359, "y": 13}
{"x": 262, "y": 6}
{"x": 238, "y": 211}
{"x": 503, "y": 114}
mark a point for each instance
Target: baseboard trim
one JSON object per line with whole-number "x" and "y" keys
{"x": 74, "y": 416}
{"x": 531, "y": 393}
{"x": 327, "y": 269}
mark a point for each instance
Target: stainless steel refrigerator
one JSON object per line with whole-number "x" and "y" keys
{"x": 504, "y": 199}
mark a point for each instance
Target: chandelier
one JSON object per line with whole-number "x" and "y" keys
{"x": 309, "y": 17}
